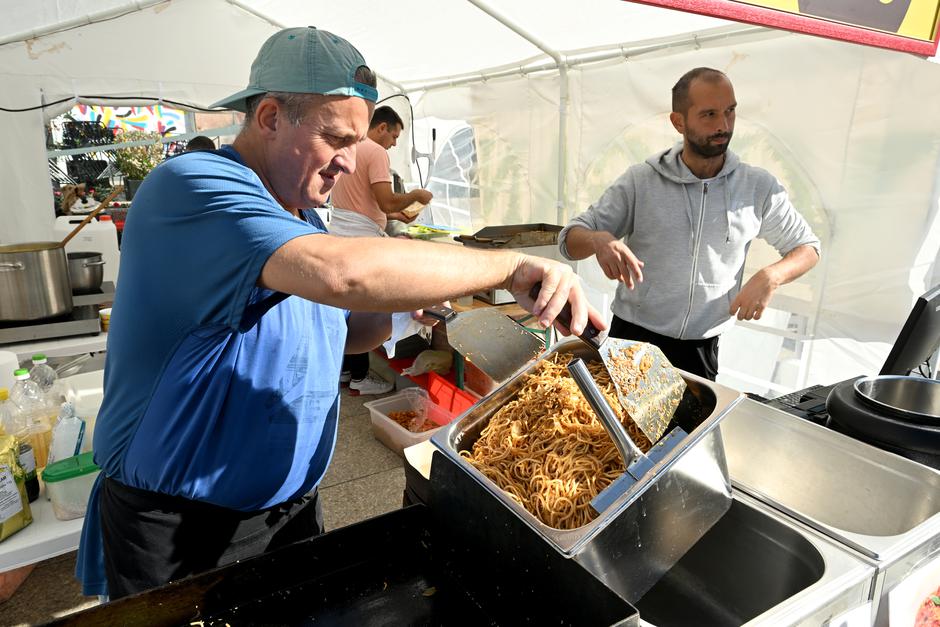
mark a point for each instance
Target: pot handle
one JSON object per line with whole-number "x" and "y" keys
{"x": 89, "y": 264}
{"x": 7, "y": 266}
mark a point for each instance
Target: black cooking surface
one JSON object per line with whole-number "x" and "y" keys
{"x": 382, "y": 571}
{"x": 82, "y": 320}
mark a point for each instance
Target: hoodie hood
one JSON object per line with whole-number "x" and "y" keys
{"x": 669, "y": 164}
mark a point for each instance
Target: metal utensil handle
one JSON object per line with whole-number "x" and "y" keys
{"x": 590, "y": 334}
{"x": 442, "y": 313}
{"x": 78, "y": 361}
{"x": 582, "y": 376}
{"x": 7, "y": 266}
{"x": 89, "y": 264}
{"x": 104, "y": 203}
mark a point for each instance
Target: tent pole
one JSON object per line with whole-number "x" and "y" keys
{"x": 279, "y": 25}
{"x": 84, "y": 20}
{"x": 562, "y": 98}
{"x": 574, "y": 59}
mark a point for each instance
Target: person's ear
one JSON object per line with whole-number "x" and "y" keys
{"x": 678, "y": 122}
{"x": 267, "y": 116}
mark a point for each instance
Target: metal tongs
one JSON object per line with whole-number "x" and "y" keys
{"x": 636, "y": 463}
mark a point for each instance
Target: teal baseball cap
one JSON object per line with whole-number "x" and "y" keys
{"x": 304, "y": 60}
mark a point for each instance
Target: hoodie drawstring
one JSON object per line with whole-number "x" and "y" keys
{"x": 727, "y": 210}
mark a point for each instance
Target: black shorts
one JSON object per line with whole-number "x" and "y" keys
{"x": 151, "y": 539}
{"x": 696, "y": 356}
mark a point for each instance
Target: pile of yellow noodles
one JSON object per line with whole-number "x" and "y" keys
{"x": 548, "y": 450}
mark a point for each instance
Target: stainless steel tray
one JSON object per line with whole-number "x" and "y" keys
{"x": 885, "y": 507}
{"x": 757, "y": 566}
{"x": 648, "y": 528}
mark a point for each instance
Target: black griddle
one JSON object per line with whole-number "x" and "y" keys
{"x": 389, "y": 570}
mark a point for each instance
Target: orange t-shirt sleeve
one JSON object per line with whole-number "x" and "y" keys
{"x": 379, "y": 168}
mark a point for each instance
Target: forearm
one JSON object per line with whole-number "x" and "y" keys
{"x": 383, "y": 274}
{"x": 793, "y": 265}
{"x": 397, "y": 202}
{"x": 366, "y": 331}
{"x": 582, "y": 243}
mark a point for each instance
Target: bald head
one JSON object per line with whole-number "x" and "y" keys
{"x": 680, "y": 92}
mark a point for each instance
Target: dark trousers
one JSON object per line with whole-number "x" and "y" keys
{"x": 696, "y": 356}
{"x": 151, "y": 539}
{"x": 357, "y": 365}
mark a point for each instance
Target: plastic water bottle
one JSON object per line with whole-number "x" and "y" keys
{"x": 26, "y": 394}
{"x": 42, "y": 373}
{"x": 67, "y": 435}
{"x": 34, "y": 411}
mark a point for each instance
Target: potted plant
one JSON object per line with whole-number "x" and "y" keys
{"x": 135, "y": 162}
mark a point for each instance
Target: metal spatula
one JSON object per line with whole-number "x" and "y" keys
{"x": 648, "y": 386}
{"x": 494, "y": 342}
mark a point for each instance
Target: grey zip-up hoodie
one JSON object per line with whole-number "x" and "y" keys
{"x": 693, "y": 235}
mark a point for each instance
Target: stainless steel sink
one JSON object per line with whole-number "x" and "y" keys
{"x": 759, "y": 568}
{"x": 882, "y": 505}
{"x": 863, "y": 495}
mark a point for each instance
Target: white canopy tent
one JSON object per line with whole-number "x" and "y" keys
{"x": 554, "y": 99}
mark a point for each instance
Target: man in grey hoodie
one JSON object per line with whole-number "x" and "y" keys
{"x": 675, "y": 231}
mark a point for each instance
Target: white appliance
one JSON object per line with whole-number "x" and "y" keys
{"x": 99, "y": 236}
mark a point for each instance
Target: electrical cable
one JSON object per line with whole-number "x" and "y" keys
{"x": 411, "y": 112}
{"x": 148, "y": 98}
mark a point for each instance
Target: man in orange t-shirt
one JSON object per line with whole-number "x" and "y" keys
{"x": 363, "y": 202}
{"x": 368, "y": 190}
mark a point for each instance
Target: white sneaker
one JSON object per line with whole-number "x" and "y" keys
{"x": 371, "y": 384}
{"x": 345, "y": 376}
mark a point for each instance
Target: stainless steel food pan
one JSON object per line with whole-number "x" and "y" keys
{"x": 885, "y": 507}
{"x": 648, "y": 528}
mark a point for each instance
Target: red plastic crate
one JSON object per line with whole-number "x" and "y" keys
{"x": 445, "y": 394}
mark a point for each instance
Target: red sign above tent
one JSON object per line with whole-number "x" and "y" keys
{"x": 906, "y": 25}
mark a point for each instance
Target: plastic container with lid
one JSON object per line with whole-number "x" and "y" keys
{"x": 68, "y": 484}
{"x": 393, "y": 435}
{"x": 98, "y": 236}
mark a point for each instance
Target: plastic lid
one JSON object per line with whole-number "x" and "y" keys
{"x": 21, "y": 373}
{"x": 104, "y": 218}
{"x": 4, "y": 394}
{"x": 39, "y": 358}
{"x": 70, "y": 467}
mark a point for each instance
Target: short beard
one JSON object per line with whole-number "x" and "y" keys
{"x": 708, "y": 150}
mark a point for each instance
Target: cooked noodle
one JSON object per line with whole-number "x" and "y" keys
{"x": 547, "y": 449}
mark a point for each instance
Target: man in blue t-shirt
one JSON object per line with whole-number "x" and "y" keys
{"x": 232, "y": 317}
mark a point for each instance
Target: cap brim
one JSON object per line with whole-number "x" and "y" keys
{"x": 237, "y": 100}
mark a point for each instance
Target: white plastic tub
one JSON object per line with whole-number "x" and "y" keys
{"x": 85, "y": 391}
{"x": 392, "y": 434}
{"x": 68, "y": 485}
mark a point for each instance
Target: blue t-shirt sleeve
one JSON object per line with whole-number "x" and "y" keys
{"x": 213, "y": 225}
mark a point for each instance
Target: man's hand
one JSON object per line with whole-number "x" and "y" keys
{"x": 616, "y": 259}
{"x": 560, "y": 286}
{"x": 754, "y": 297}
{"x": 418, "y": 316}
{"x": 422, "y": 195}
